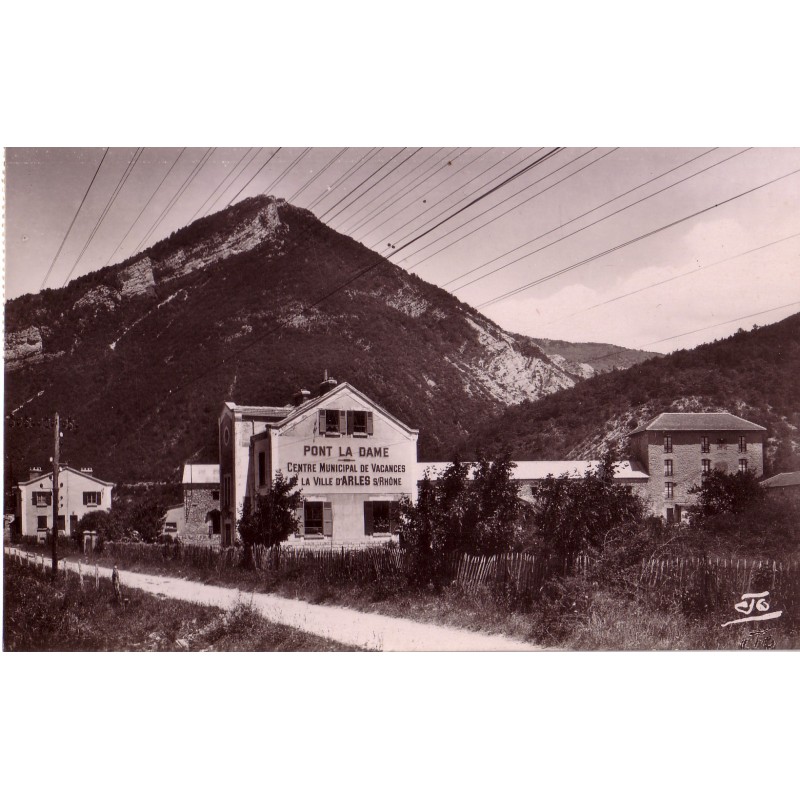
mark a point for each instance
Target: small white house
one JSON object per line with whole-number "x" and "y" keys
{"x": 79, "y": 492}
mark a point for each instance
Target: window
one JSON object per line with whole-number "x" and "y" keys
{"x": 667, "y": 444}
{"x": 359, "y": 423}
{"x": 170, "y": 527}
{"x": 41, "y": 499}
{"x": 62, "y": 522}
{"x": 226, "y": 489}
{"x": 742, "y": 444}
{"x": 317, "y": 520}
{"x": 335, "y": 422}
{"x": 262, "y": 468}
{"x": 380, "y": 518}
{"x": 41, "y": 523}
{"x": 706, "y": 466}
{"x": 215, "y": 494}
{"x": 668, "y": 468}
{"x": 705, "y": 445}
{"x": 91, "y": 498}
{"x": 669, "y": 490}
{"x": 742, "y": 465}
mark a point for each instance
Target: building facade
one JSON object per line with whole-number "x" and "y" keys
{"x": 79, "y": 493}
{"x": 677, "y": 449}
{"x": 353, "y": 460}
{"x": 201, "y": 495}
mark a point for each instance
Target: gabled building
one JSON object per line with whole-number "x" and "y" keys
{"x": 353, "y": 461}
{"x": 79, "y": 493}
{"x": 677, "y": 449}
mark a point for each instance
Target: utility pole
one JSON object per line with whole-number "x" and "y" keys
{"x": 56, "y": 450}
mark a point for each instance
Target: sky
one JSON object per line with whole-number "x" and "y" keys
{"x": 728, "y": 254}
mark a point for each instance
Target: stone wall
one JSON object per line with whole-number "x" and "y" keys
{"x": 198, "y": 501}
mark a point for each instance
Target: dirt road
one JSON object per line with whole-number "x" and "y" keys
{"x": 367, "y": 630}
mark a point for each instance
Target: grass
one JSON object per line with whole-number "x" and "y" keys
{"x": 582, "y": 614}
{"x": 41, "y": 616}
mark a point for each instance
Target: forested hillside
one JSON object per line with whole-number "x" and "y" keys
{"x": 144, "y": 353}
{"x": 755, "y": 374}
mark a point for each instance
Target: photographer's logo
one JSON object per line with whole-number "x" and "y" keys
{"x": 750, "y": 602}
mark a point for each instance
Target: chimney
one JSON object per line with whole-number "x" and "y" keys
{"x": 327, "y": 384}
{"x": 35, "y": 472}
{"x": 298, "y": 398}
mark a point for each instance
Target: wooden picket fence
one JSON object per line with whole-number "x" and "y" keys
{"x": 728, "y": 577}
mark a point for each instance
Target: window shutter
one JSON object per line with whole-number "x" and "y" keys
{"x": 350, "y": 422}
{"x": 33, "y": 498}
{"x": 368, "y": 523}
{"x": 342, "y": 422}
{"x": 321, "y": 422}
{"x": 327, "y": 519}
{"x": 393, "y": 514}
{"x": 300, "y": 517}
{"x": 369, "y": 423}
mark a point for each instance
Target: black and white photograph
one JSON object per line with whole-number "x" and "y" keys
{"x": 404, "y": 398}
{"x": 400, "y": 399}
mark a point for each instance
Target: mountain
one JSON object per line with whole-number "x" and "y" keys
{"x": 754, "y": 374}
{"x": 142, "y": 354}
{"x": 591, "y": 358}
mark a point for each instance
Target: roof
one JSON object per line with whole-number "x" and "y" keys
{"x": 276, "y": 412}
{"x": 314, "y": 402}
{"x": 44, "y": 475}
{"x": 782, "y": 479}
{"x": 539, "y": 470}
{"x": 698, "y": 421}
{"x": 200, "y": 473}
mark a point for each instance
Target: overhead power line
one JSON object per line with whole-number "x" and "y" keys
{"x": 696, "y": 330}
{"x": 257, "y": 173}
{"x": 575, "y": 219}
{"x": 125, "y": 175}
{"x": 374, "y": 212}
{"x": 66, "y": 235}
{"x": 636, "y": 239}
{"x": 508, "y": 210}
{"x": 288, "y": 169}
{"x": 356, "y": 188}
{"x": 146, "y": 205}
{"x": 365, "y": 159}
{"x": 236, "y": 177}
{"x": 216, "y": 188}
{"x": 177, "y": 196}
{"x": 692, "y": 271}
{"x": 317, "y": 175}
{"x": 360, "y": 274}
{"x": 458, "y": 189}
{"x": 447, "y": 161}
{"x": 370, "y": 204}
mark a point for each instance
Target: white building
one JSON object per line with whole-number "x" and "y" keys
{"x": 353, "y": 460}
{"x": 79, "y": 493}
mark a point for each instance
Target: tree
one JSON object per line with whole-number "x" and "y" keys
{"x": 272, "y": 517}
{"x": 107, "y": 524}
{"x": 575, "y": 514}
{"x": 459, "y": 513}
{"x": 145, "y": 516}
{"x": 723, "y": 492}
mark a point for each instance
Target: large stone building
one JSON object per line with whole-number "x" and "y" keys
{"x": 353, "y": 460}
{"x": 79, "y": 493}
{"x": 677, "y": 449}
